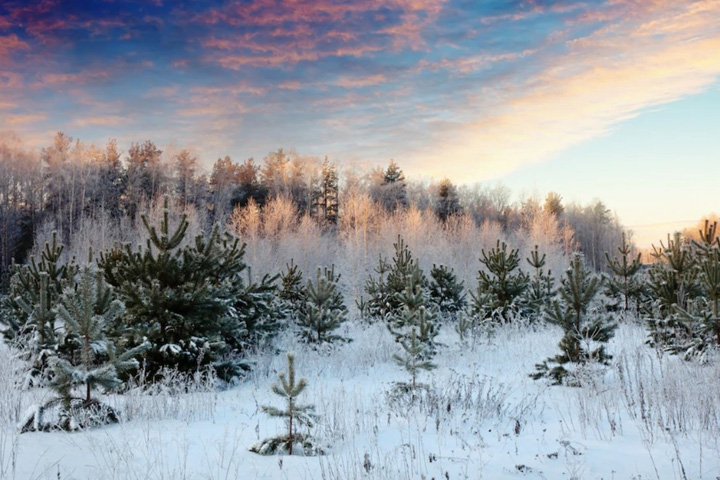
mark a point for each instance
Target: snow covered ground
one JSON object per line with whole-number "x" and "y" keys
{"x": 646, "y": 417}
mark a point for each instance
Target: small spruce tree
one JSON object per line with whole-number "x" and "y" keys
{"x": 92, "y": 363}
{"x": 584, "y": 332}
{"x": 445, "y": 290}
{"x": 384, "y": 292}
{"x": 179, "y": 298}
{"x": 624, "y": 283}
{"x": 324, "y": 309}
{"x": 291, "y": 290}
{"x": 541, "y": 288}
{"x": 34, "y": 292}
{"x": 673, "y": 284}
{"x": 499, "y": 290}
{"x": 701, "y": 317}
{"x": 295, "y": 416}
{"x": 416, "y": 314}
{"x": 413, "y": 359}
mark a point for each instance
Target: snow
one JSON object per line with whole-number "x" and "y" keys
{"x": 648, "y": 416}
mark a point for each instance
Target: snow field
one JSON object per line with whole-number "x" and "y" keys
{"x": 648, "y": 416}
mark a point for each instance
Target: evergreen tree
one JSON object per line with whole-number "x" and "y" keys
{"x": 327, "y": 194}
{"x": 144, "y": 175}
{"x": 392, "y": 192}
{"x": 541, "y": 287}
{"x": 384, "y": 291}
{"x": 292, "y": 292}
{"x": 445, "y": 290}
{"x": 583, "y": 330}
{"x": 324, "y": 310}
{"x": 463, "y": 326}
{"x": 181, "y": 299}
{"x": 89, "y": 362}
{"x": 413, "y": 359}
{"x": 447, "y": 203}
{"x": 416, "y": 314}
{"x": 673, "y": 284}
{"x": 624, "y": 284}
{"x": 701, "y": 317}
{"x": 248, "y": 186}
{"x": 295, "y": 416}
{"x": 86, "y": 313}
{"x": 499, "y": 290}
{"x": 35, "y": 289}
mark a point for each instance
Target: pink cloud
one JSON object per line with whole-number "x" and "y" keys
{"x": 285, "y": 33}
{"x": 23, "y": 119}
{"x": 101, "y": 121}
{"x": 10, "y": 44}
{"x": 360, "y": 82}
{"x": 55, "y": 79}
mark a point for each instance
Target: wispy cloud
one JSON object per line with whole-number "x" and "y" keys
{"x": 102, "y": 121}
{"x": 10, "y": 44}
{"x": 492, "y": 86}
{"x": 601, "y": 80}
{"x": 15, "y": 120}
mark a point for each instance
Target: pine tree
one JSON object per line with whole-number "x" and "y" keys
{"x": 324, "y": 310}
{"x": 701, "y": 317}
{"x": 327, "y": 195}
{"x": 295, "y": 415}
{"x": 445, "y": 290}
{"x": 413, "y": 359}
{"x": 673, "y": 284}
{"x": 393, "y": 190}
{"x": 377, "y": 305}
{"x": 91, "y": 361}
{"x": 416, "y": 315}
{"x": 499, "y": 291}
{"x": 34, "y": 292}
{"x": 291, "y": 291}
{"x": 86, "y": 313}
{"x": 384, "y": 292}
{"x": 447, "y": 203}
{"x": 541, "y": 288}
{"x": 463, "y": 326}
{"x": 181, "y": 299}
{"x": 624, "y": 284}
{"x": 26, "y": 283}
{"x": 582, "y": 329}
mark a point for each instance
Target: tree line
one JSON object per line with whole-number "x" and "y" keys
{"x": 69, "y": 182}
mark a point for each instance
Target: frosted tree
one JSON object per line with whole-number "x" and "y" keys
{"x": 414, "y": 359}
{"x": 541, "y": 287}
{"x": 624, "y": 283}
{"x": 180, "y": 298}
{"x": 673, "y": 284}
{"x": 294, "y": 414}
{"x": 445, "y": 290}
{"x": 35, "y": 289}
{"x": 384, "y": 291}
{"x": 324, "y": 310}
{"x": 416, "y": 314}
{"x": 701, "y": 316}
{"x": 292, "y": 291}
{"x": 92, "y": 362}
{"x": 584, "y": 332}
{"x": 447, "y": 202}
{"x": 500, "y": 288}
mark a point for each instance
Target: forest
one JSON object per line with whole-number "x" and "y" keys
{"x": 125, "y": 271}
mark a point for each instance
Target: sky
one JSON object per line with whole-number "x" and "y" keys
{"x": 616, "y": 100}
